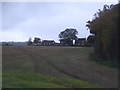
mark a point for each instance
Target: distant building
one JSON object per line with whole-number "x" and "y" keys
{"x": 57, "y": 44}
{"x": 62, "y": 42}
{"x": 80, "y": 42}
{"x": 48, "y": 42}
{"x": 66, "y": 42}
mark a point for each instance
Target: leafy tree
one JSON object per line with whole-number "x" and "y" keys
{"x": 68, "y": 36}
{"x": 37, "y": 40}
{"x": 105, "y": 28}
{"x": 90, "y": 39}
{"x": 29, "y": 41}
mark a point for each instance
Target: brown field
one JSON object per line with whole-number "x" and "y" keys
{"x": 59, "y": 61}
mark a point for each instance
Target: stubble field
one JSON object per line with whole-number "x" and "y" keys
{"x": 54, "y": 66}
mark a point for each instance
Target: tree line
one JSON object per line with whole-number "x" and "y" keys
{"x": 104, "y": 28}
{"x": 68, "y": 35}
{"x": 36, "y": 40}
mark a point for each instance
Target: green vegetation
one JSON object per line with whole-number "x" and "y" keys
{"x": 101, "y": 61}
{"x": 67, "y": 36}
{"x": 67, "y": 67}
{"x": 105, "y": 28}
{"x": 50, "y": 66}
{"x": 22, "y": 80}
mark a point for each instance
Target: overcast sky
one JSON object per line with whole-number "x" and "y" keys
{"x": 22, "y": 20}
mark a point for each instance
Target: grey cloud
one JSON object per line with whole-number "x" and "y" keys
{"x": 45, "y": 20}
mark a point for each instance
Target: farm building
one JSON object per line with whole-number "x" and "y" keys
{"x": 66, "y": 42}
{"x": 48, "y": 42}
{"x": 57, "y": 44}
{"x": 62, "y": 42}
{"x": 80, "y": 42}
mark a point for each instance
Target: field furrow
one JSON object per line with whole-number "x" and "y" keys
{"x": 72, "y": 62}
